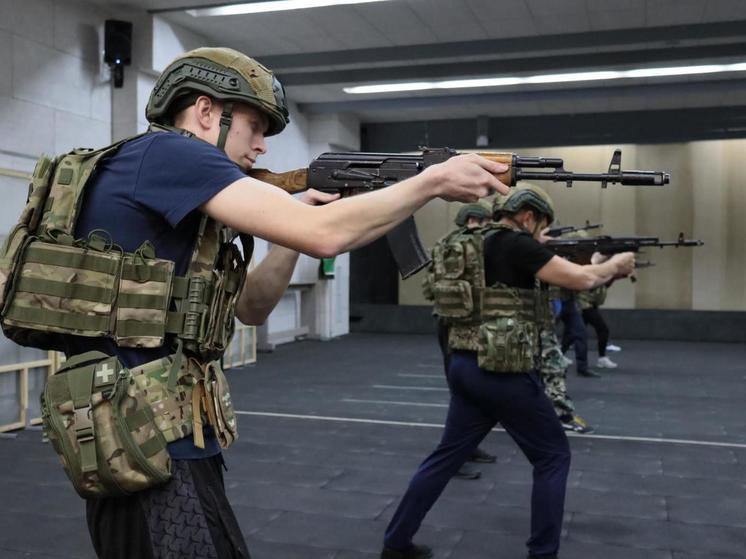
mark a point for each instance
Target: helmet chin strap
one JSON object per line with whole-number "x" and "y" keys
{"x": 225, "y": 124}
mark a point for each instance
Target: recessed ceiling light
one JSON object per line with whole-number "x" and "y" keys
{"x": 271, "y": 6}
{"x": 547, "y": 78}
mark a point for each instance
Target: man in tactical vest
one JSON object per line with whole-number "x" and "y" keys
{"x": 124, "y": 259}
{"x": 488, "y": 289}
{"x": 469, "y": 218}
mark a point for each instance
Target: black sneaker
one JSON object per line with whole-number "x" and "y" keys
{"x": 468, "y": 473}
{"x": 413, "y": 552}
{"x": 589, "y": 374}
{"x": 481, "y": 457}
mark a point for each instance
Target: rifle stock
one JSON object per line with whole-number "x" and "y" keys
{"x": 290, "y": 181}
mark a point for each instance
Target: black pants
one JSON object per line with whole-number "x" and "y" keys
{"x": 479, "y": 400}
{"x": 574, "y": 334}
{"x": 593, "y": 317}
{"x": 187, "y": 518}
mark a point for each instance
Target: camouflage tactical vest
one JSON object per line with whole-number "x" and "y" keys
{"x": 592, "y": 297}
{"x": 499, "y": 322}
{"x": 52, "y": 284}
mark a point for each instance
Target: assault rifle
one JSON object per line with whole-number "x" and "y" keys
{"x": 355, "y": 172}
{"x": 581, "y": 250}
{"x": 564, "y": 230}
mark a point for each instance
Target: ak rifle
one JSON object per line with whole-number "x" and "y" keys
{"x": 356, "y": 172}
{"x": 564, "y": 230}
{"x": 581, "y": 250}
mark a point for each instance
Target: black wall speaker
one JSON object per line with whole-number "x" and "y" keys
{"x": 118, "y": 47}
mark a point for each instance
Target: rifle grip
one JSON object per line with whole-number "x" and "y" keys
{"x": 507, "y": 177}
{"x": 291, "y": 181}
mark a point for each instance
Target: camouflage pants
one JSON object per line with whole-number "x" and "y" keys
{"x": 554, "y": 373}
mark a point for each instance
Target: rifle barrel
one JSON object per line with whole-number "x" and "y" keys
{"x": 628, "y": 178}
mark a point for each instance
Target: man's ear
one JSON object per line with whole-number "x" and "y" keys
{"x": 204, "y": 107}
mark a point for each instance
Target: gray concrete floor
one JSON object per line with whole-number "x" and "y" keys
{"x": 335, "y": 430}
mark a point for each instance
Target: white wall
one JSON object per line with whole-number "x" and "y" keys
{"x": 54, "y": 91}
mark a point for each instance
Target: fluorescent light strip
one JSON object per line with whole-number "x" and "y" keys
{"x": 548, "y": 78}
{"x": 272, "y": 6}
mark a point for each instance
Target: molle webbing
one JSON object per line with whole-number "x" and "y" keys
{"x": 498, "y": 301}
{"x": 502, "y": 301}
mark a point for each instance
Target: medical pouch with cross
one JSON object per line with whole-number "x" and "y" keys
{"x": 102, "y": 427}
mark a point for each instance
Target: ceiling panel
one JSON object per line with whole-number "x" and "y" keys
{"x": 562, "y": 23}
{"x": 614, "y": 19}
{"x": 539, "y": 8}
{"x": 400, "y": 25}
{"x": 449, "y": 22}
{"x": 723, "y": 9}
{"x": 347, "y": 26}
{"x": 498, "y": 13}
{"x": 672, "y": 12}
{"x": 615, "y": 5}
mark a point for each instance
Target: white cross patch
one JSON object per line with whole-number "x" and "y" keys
{"x": 104, "y": 374}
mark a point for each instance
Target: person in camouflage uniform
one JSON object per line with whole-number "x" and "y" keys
{"x": 553, "y": 371}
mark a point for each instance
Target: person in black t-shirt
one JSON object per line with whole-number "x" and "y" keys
{"x": 513, "y": 257}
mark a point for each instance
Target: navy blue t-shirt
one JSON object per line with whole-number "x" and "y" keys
{"x": 151, "y": 189}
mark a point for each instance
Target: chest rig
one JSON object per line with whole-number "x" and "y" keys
{"x": 499, "y": 322}
{"x": 52, "y": 285}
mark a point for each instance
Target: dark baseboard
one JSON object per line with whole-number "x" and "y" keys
{"x": 626, "y": 324}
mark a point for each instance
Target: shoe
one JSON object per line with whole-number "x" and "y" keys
{"x": 467, "y": 473}
{"x": 612, "y": 347}
{"x": 413, "y": 552}
{"x": 481, "y": 457}
{"x": 589, "y": 374}
{"x": 576, "y": 424}
{"x": 606, "y": 363}
{"x": 566, "y": 361}
{"x": 545, "y": 556}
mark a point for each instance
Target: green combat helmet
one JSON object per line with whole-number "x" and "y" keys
{"x": 224, "y": 74}
{"x": 521, "y": 196}
{"x": 471, "y": 210}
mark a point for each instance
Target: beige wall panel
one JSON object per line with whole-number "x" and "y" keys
{"x": 733, "y": 286}
{"x": 665, "y": 212}
{"x": 709, "y": 171}
{"x": 706, "y": 199}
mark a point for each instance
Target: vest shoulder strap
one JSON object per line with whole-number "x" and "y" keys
{"x": 71, "y": 176}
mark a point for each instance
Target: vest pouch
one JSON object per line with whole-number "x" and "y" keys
{"x": 221, "y": 323}
{"x": 452, "y": 299}
{"x": 9, "y": 256}
{"x": 101, "y": 426}
{"x": 224, "y": 421}
{"x": 507, "y": 345}
{"x": 63, "y": 288}
{"x": 142, "y": 303}
{"x": 450, "y": 260}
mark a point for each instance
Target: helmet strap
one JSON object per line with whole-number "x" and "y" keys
{"x": 225, "y": 124}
